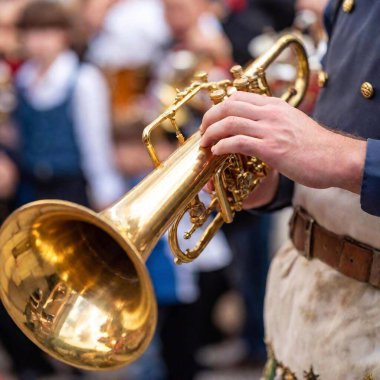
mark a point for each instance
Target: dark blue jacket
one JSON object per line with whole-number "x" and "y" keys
{"x": 353, "y": 58}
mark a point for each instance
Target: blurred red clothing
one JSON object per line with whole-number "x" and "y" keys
{"x": 237, "y": 5}
{"x": 14, "y": 65}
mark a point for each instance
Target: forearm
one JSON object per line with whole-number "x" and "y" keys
{"x": 345, "y": 168}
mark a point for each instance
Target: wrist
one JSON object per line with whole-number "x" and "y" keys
{"x": 352, "y": 164}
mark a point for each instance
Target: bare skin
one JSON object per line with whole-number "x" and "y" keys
{"x": 287, "y": 140}
{"x": 8, "y": 177}
{"x": 317, "y": 6}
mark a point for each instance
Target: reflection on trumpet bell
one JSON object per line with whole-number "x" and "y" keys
{"x": 71, "y": 287}
{"x": 75, "y": 282}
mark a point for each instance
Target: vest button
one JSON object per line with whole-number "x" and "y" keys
{"x": 323, "y": 78}
{"x": 348, "y": 6}
{"x": 367, "y": 90}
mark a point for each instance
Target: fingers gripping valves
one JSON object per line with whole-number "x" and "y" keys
{"x": 237, "y": 175}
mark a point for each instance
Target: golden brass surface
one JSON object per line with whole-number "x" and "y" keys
{"x": 75, "y": 286}
{"x": 367, "y": 90}
{"x": 323, "y": 78}
{"x": 75, "y": 282}
{"x": 348, "y": 6}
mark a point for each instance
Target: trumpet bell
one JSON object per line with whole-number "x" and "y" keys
{"x": 75, "y": 286}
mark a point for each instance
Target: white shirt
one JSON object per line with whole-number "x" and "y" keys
{"x": 92, "y": 121}
{"x": 132, "y": 35}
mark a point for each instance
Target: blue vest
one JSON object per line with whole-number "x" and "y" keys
{"x": 48, "y": 144}
{"x": 353, "y": 58}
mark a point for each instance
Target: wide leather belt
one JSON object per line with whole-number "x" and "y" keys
{"x": 348, "y": 256}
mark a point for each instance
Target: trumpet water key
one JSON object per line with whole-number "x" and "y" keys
{"x": 75, "y": 282}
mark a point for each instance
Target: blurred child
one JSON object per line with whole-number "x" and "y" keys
{"x": 126, "y": 37}
{"x": 62, "y": 116}
{"x": 176, "y": 287}
{"x": 195, "y": 28}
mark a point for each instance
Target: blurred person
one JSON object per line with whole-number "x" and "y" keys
{"x": 249, "y": 18}
{"x": 197, "y": 43}
{"x": 62, "y": 120}
{"x": 317, "y": 6}
{"x": 8, "y": 170}
{"x": 8, "y": 182}
{"x": 311, "y": 14}
{"x": 126, "y": 38}
{"x": 62, "y": 116}
{"x": 128, "y": 34}
{"x": 8, "y": 176}
{"x": 182, "y": 300}
{"x": 175, "y": 286}
{"x": 323, "y": 289}
{"x": 249, "y": 237}
{"x": 9, "y": 42}
{"x": 93, "y": 13}
{"x": 7, "y": 104}
{"x": 194, "y": 27}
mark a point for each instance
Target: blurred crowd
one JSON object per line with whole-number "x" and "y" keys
{"x": 79, "y": 80}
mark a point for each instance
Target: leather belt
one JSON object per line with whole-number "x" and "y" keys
{"x": 348, "y": 256}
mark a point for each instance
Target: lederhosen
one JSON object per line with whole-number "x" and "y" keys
{"x": 49, "y": 157}
{"x": 323, "y": 299}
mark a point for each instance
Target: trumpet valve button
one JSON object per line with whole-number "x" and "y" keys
{"x": 237, "y": 71}
{"x": 201, "y": 76}
{"x": 241, "y": 84}
{"x": 217, "y": 96}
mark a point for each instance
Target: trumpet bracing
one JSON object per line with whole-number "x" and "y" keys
{"x": 75, "y": 282}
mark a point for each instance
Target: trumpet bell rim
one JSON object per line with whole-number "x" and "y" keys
{"x": 75, "y": 286}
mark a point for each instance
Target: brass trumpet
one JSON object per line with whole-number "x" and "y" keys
{"x": 75, "y": 282}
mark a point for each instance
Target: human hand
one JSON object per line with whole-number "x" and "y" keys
{"x": 286, "y": 139}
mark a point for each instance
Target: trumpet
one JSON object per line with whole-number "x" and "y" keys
{"x": 75, "y": 282}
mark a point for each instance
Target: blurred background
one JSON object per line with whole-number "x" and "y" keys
{"x": 79, "y": 81}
